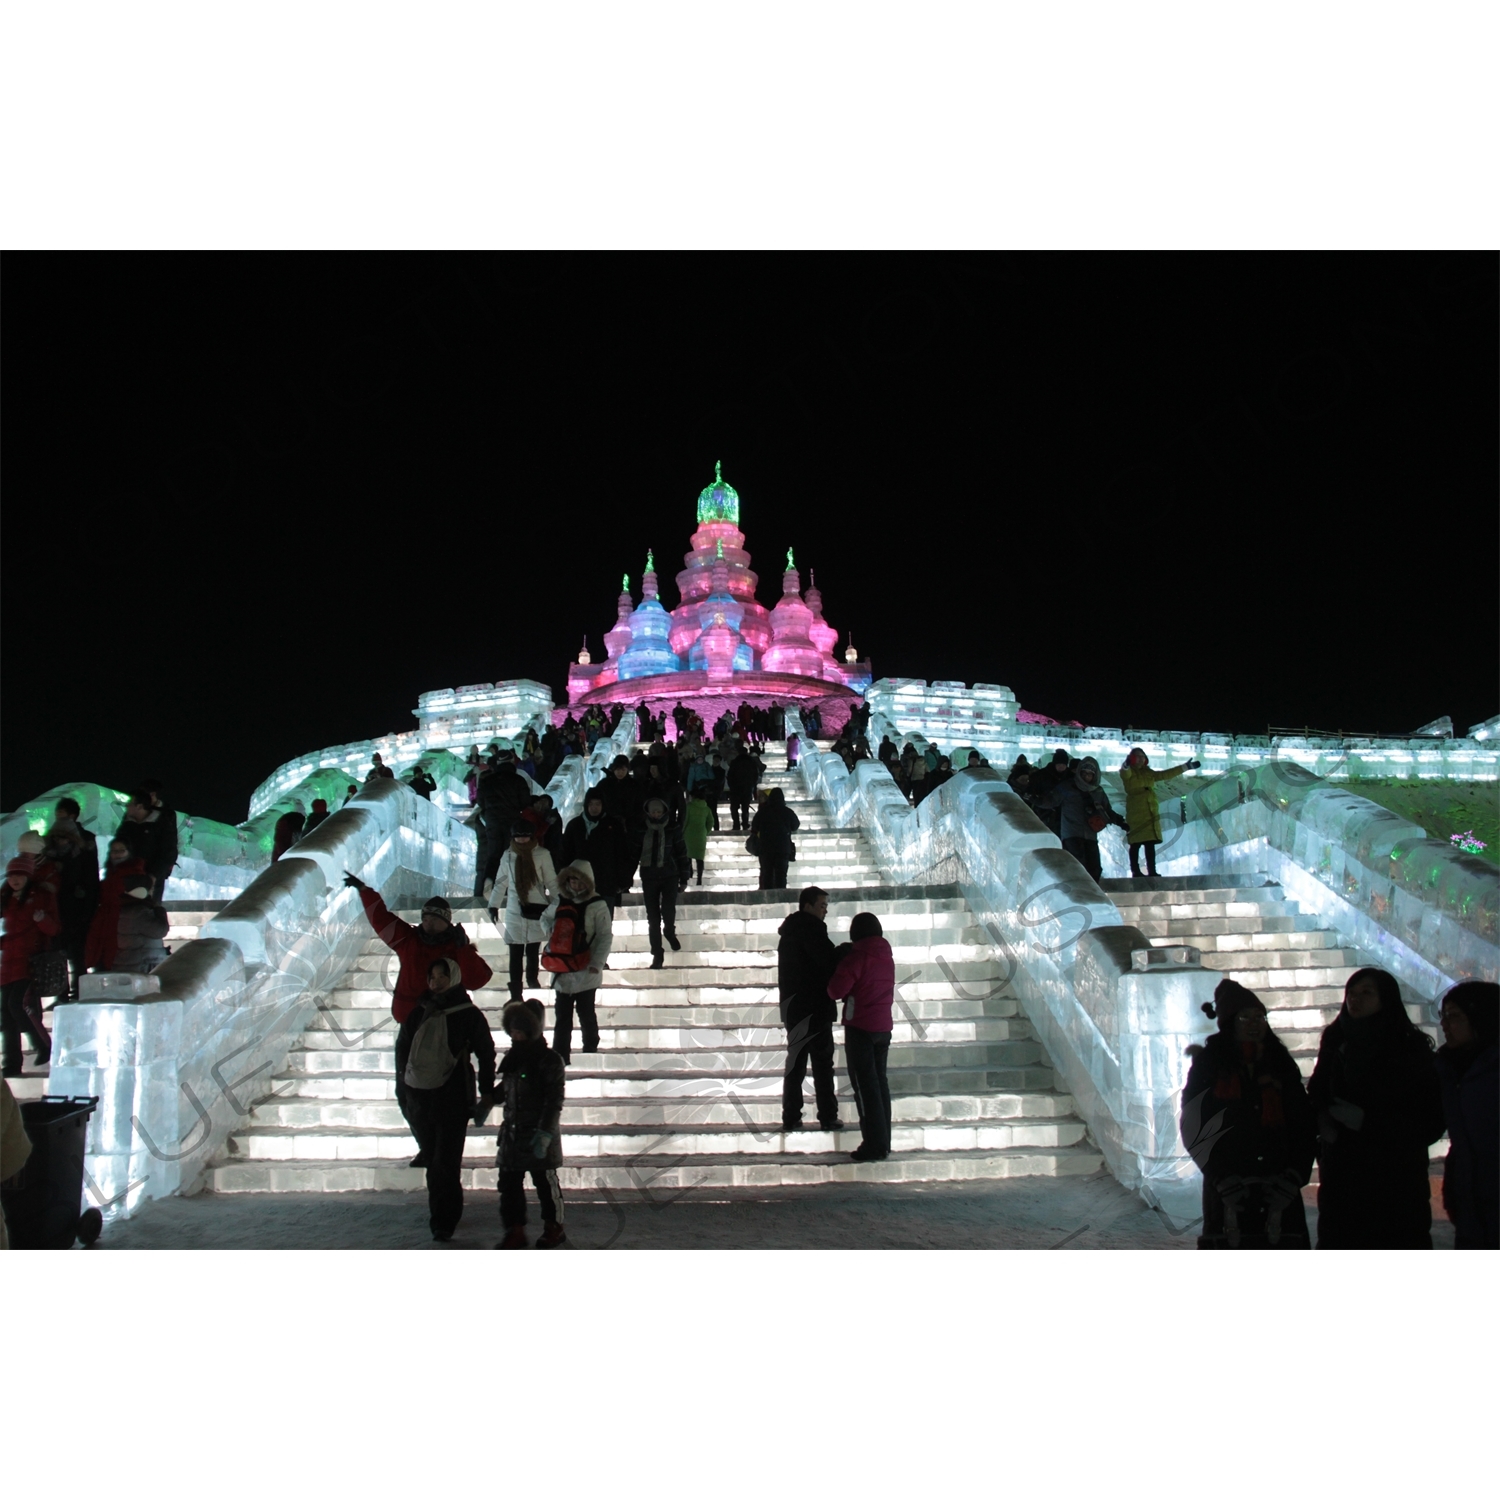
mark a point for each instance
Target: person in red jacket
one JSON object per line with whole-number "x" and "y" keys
{"x": 121, "y": 874}
{"x": 865, "y": 980}
{"x": 438, "y": 936}
{"x": 30, "y": 919}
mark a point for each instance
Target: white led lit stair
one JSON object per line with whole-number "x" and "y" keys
{"x": 685, "y": 1090}
{"x": 1246, "y": 928}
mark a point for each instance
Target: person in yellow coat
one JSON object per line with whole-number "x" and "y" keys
{"x": 1142, "y": 811}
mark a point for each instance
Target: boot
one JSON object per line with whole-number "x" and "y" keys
{"x": 552, "y": 1236}
{"x": 515, "y": 1239}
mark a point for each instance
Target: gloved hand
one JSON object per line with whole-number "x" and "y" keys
{"x": 354, "y": 880}
{"x": 1194, "y": 765}
{"x": 1282, "y": 1189}
{"x": 495, "y": 915}
{"x": 483, "y": 1107}
{"x": 1351, "y": 1116}
{"x": 540, "y": 1142}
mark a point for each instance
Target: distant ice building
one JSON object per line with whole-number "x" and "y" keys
{"x": 720, "y": 646}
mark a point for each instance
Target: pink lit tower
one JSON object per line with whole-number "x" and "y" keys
{"x": 720, "y": 646}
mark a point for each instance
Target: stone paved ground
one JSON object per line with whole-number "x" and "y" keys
{"x": 1087, "y": 1213}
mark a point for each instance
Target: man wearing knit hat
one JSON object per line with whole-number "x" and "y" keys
{"x": 437, "y": 936}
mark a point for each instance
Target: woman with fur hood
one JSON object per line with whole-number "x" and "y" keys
{"x": 580, "y": 933}
{"x": 1246, "y": 1121}
{"x": 525, "y": 884}
{"x": 1085, "y": 812}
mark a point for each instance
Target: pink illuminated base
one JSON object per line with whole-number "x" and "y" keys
{"x": 709, "y": 698}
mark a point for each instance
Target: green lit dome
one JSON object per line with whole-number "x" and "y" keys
{"x": 719, "y": 501}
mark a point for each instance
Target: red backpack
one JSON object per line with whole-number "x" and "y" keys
{"x": 565, "y": 951}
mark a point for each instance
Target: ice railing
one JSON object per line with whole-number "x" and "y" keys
{"x": 1115, "y": 1014}
{"x": 177, "y": 1070}
{"x": 576, "y": 775}
{"x": 985, "y": 717}
{"x": 1425, "y": 910}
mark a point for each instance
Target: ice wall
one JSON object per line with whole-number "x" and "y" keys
{"x": 176, "y": 1071}
{"x": 984, "y": 717}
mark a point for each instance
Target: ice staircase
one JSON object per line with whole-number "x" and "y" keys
{"x": 685, "y": 1091}
{"x": 1246, "y": 928}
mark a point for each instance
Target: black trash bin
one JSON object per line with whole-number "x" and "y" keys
{"x": 42, "y": 1202}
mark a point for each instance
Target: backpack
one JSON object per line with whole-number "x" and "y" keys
{"x": 565, "y": 951}
{"x": 430, "y": 1064}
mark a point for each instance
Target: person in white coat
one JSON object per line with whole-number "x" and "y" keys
{"x": 524, "y": 885}
{"x": 580, "y": 933}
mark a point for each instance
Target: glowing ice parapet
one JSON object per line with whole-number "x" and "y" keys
{"x": 176, "y": 1072}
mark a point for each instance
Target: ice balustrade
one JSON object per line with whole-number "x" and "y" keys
{"x": 576, "y": 774}
{"x": 983, "y": 717}
{"x": 450, "y": 723}
{"x": 1427, "y": 911}
{"x": 178, "y": 1057}
{"x": 1115, "y": 1014}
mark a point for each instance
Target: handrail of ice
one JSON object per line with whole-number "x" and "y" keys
{"x": 1426, "y": 911}
{"x": 576, "y": 775}
{"x": 177, "y": 1065}
{"x": 1115, "y": 1014}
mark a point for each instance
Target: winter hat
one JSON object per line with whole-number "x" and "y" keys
{"x": 520, "y": 1020}
{"x": 22, "y": 864}
{"x": 582, "y": 868}
{"x": 450, "y": 965}
{"x": 30, "y": 843}
{"x": 657, "y": 803}
{"x": 521, "y": 829}
{"x": 438, "y": 907}
{"x": 1060, "y": 757}
{"x": 1229, "y": 1000}
{"x": 139, "y": 892}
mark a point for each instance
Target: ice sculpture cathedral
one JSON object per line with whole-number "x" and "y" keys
{"x": 720, "y": 645}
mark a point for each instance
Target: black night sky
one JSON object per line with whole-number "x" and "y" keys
{"x": 254, "y": 505}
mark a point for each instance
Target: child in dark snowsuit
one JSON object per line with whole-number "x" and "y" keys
{"x": 531, "y": 1084}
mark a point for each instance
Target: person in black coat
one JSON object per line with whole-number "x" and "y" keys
{"x": 772, "y": 829}
{"x": 439, "y": 1115}
{"x": 742, "y": 778}
{"x": 805, "y": 961}
{"x": 624, "y": 798}
{"x": 665, "y": 872}
{"x": 1467, "y": 1073}
{"x": 1375, "y": 1096}
{"x": 1246, "y": 1122}
{"x": 501, "y": 794}
{"x": 150, "y": 833}
{"x": 533, "y": 1083}
{"x": 600, "y": 838}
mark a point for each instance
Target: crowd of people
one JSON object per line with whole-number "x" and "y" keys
{"x": 62, "y": 915}
{"x": 1377, "y": 1099}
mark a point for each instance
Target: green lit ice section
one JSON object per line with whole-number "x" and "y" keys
{"x": 719, "y": 501}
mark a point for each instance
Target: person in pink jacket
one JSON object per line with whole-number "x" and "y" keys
{"x": 865, "y": 980}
